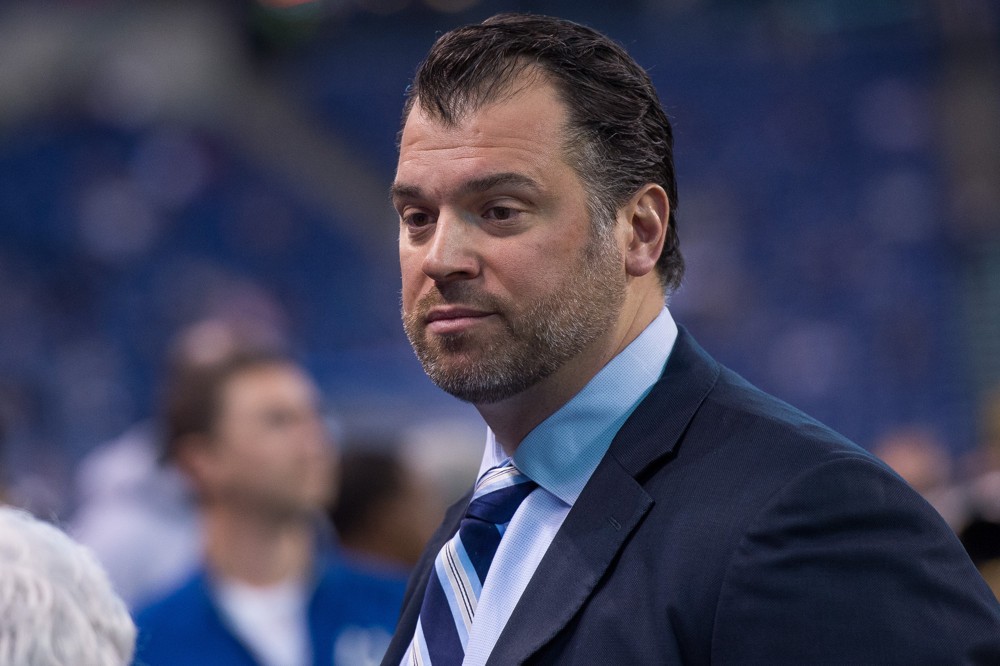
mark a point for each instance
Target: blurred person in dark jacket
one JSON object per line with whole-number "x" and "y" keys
{"x": 385, "y": 511}
{"x": 981, "y": 532}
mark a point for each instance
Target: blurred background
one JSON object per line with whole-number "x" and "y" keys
{"x": 166, "y": 162}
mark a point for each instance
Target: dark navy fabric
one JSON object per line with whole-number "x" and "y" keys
{"x": 726, "y": 527}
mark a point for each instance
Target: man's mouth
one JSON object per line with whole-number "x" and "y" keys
{"x": 454, "y": 319}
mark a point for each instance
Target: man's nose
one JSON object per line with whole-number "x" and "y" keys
{"x": 451, "y": 254}
{"x": 314, "y": 433}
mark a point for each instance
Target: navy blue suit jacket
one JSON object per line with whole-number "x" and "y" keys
{"x": 726, "y": 527}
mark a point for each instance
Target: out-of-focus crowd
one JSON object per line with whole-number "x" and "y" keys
{"x": 966, "y": 492}
{"x": 208, "y": 180}
{"x": 240, "y": 529}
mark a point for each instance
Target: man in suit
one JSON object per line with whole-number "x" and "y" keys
{"x": 671, "y": 512}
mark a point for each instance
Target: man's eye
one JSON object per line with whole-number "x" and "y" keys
{"x": 277, "y": 420}
{"x": 416, "y": 219}
{"x": 500, "y": 213}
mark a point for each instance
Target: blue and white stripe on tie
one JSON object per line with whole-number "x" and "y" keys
{"x": 460, "y": 569}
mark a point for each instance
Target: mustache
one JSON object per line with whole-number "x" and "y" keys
{"x": 459, "y": 293}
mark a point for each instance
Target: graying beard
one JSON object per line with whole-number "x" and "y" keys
{"x": 493, "y": 381}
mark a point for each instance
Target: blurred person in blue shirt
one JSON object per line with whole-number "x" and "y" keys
{"x": 136, "y": 510}
{"x": 249, "y": 434}
{"x": 136, "y": 515}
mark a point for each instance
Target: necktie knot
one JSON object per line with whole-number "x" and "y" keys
{"x": 498, "y": 494}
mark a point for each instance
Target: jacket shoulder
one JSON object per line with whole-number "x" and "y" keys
{"x": 176, "y": 606}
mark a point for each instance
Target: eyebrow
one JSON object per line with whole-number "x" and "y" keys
{"x": 473, "y": 186}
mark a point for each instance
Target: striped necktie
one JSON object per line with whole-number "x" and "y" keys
{"x": 460, "y": 568}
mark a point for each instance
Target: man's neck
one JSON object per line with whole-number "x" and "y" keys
{"x": 257, "y": 551}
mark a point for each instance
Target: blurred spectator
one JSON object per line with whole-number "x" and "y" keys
{"x": 972, "y": 507}
{"x": 981, "y": 538}
{"x": 56, "y": 603}
{"x": 981, "y": 534}
{"x": 987, "y": 458}
{"x": 386, "y": 511}
{"x": 136, "y": 512}
{"x": 248, "y": 433}
{"x": 917, "y": 454}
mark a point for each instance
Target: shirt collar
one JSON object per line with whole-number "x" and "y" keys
{"x": 563, "y": 451}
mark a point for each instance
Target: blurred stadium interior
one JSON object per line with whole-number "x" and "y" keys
{"x": 160, "y": 162}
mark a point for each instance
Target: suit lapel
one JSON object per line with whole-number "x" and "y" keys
{"x": 587, "y": 542}
{"x": 611, "y": 506}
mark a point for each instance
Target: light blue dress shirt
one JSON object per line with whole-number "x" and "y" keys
{"x": 560, "y": 455}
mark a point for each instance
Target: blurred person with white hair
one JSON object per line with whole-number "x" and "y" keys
{"x": 57, "y": 605}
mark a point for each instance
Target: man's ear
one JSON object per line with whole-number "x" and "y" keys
{"x": 193, "y": 456}
{"x": 647, "y": 214}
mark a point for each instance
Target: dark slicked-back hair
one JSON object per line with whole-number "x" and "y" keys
{"x": 618, "y": 138}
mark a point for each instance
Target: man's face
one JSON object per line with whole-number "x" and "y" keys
{"x": 270, "y": 451}
{"x": 504, "y": 281}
